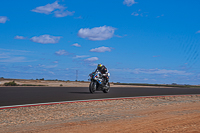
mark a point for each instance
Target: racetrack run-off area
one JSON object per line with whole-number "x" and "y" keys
{"x": 156, "y": 114}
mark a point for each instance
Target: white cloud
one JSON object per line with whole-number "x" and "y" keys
{"x": 97, "y": 33}
{"x": 120, "y": 36}
{"x": 4, "y": 55}
{"x": 156, "y": 56}
{"x": 135, "y": 14}
{"x": 20, "y": 37}
{"x": 93, "y": 64}
{"x": 11, "y": 55}
{"x": 51, "y": 72}
{"x": 51, "y": 66}
{"x": 101, "y": 49}
{"x": 154, "y": 71}
{"x": 39, "y": 65}
{"x": 91, "y": 59}
{"x": 14, "y": 59}
{"x": 198, "y": 31}
{"x": 44, "y": 66}
{"x": 63, "y": 13}
{"x": 3, "y": 19}
{"x": 76, "y": 45}
{"x": 160, "y": 16}
{"x": 49, "y": 8}
{"x": 160, "y": 71}
{"x": 81, "y": 56}
{"x": 55, "y": 62}
{"x": 80, "y": 17}
{"x": 44, "y": 39}
{"x": 14, "y": 50}
{"x": 57, "y": 9}
{"x": 62, "y": 52}
{"x": 129, "y": 2}
{"x": 139, "y": 13}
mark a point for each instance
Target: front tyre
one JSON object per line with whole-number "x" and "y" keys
{"x": 92, "y": 87}
{"x": 107, "y": 89}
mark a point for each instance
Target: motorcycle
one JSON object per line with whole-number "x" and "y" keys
{"x": 98, "y": 82}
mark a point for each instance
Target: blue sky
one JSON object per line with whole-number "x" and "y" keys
{"x": 139, "y": 41}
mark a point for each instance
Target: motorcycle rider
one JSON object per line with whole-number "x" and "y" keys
{"x": 104, "y": 72}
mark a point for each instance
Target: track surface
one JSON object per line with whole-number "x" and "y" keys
{"x": 30, "y": 95}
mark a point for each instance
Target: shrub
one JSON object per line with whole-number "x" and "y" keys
{"x": 11, "y": 84}
{"x": 61, "y": 85}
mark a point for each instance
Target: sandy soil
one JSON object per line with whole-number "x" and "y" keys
{"x": 164, "y": 114}
{"x": 64, "y": 83}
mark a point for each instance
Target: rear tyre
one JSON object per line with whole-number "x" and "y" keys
{"x": 107, "y": 88}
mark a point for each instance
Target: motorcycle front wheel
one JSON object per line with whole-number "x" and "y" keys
{"x": 92, "y": 87}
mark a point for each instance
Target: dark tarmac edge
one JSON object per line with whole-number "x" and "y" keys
{"x": 92, "y": 100}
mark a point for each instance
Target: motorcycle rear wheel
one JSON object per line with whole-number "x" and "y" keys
{"x": 108, "y": 89}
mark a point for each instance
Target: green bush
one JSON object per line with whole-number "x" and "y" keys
{"x": 61, "y": 85}
{"x": 11, "y": 84}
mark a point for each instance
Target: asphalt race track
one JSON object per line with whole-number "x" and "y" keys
{"x": 30, "y": 95}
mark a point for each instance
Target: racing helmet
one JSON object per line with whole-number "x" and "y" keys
{"x": 99, "y": 66}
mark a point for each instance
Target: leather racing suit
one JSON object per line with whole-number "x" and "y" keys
{"x": 105, "y": 74}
